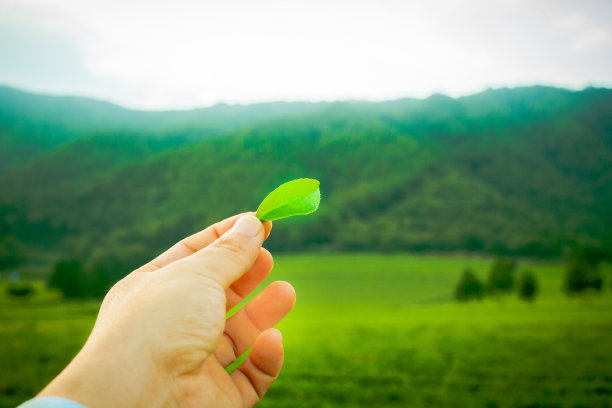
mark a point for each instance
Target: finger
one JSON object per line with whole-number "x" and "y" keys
{"x": 193, "y": 243}
{"x": 250, "y": 280}
{"x": 262, "y": 312}
{"x": 261, "y": 368}
{"x": 229, "y": 257}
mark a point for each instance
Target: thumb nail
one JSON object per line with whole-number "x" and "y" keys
{"x": 247, "y": 225}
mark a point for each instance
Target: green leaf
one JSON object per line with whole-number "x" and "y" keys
{"x": 296, "y": 197}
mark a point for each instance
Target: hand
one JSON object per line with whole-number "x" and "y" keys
{"x": 161, "y": 337}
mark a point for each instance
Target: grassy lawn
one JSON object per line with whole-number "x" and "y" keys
{"x": 381, "y": 330}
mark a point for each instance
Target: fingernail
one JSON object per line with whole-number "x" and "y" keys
{"x": 247, "y": 225}
{"x": 279, "y": 333}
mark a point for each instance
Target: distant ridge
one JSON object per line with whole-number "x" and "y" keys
{"x": 31, "y": 124}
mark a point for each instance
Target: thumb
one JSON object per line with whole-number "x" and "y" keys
{"x": 232, "y": 254}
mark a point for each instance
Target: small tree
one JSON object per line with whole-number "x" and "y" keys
{"x": 501, "y": 276}
{"x": 11, "y": 252}
{"x": 102, "y": 277}
{"x": 469, "y": 287}
{"x": 528, "y": 286}
{"x": 69, "y": 277}
{"x": 582, "y": 278}
{"x": 582, "y": 273}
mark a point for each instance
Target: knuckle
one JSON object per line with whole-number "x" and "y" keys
{"x": 235, "y": 247}
{"x": 232, "y": 346}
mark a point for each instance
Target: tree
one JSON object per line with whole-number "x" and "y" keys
{"x": 581, "y": 278}
{"x": 11, "y": 252}
{"x": 501, "y": 276}
{"x": 469, "y": 287}
{"x": 69, "y": 277}
{"x": 582, "y": 273}
{"x": 528, "y": 286}
{"x": 102, "y": 276}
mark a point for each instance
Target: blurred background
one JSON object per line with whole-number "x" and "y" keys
{"x": 461, "y": 254}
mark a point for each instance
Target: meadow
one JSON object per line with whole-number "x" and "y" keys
{"x": 380, "y": 330}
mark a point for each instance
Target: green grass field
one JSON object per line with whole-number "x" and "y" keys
{"x": 381, "y": 330}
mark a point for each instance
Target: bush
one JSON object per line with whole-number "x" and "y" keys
{"x": 11, "y": 252}
{"x": 582, "y": 274}
{"x": 582, "y": 278}
{"x": 102, "y": 276}
{"x": 469, "y": 287}
{"x": 528, "y": 286}
{"x": 69, "y": 277}
{"x": 501, "y": 276}
{"x": 21, "y": 290}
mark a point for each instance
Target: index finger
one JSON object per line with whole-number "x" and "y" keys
{"x": 197, "y": 241}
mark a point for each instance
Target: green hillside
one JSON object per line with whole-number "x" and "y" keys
{"x": 31, "y": 125}
{"x": 524, "y": 171}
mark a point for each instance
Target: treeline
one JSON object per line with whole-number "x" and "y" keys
{"x": 501, "y": 281}
{"x": 582, "y": 276}
{"x": 76, "y": 282}
{"x": 73, "y": 278}
{"x": 76, "y": 279}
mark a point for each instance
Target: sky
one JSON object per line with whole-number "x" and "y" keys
{"x": 177, "y": 54}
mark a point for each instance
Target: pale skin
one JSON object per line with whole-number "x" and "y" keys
{"x": 162, "y": 339}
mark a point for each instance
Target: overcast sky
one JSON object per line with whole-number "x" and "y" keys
{"x": 184, "y": 53}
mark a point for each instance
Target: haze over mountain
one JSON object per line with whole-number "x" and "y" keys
{"x": 521, "y": 171}
{"x": 31, "y": 124}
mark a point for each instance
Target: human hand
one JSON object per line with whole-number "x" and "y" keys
{"x": 161, "y": 338}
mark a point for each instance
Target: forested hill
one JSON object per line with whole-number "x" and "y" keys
{"x": 34, "y": 124}
{"x": 524, "y": 171}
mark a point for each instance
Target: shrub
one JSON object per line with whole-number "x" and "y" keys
{"x": 501, "y": 276}
{"x": 528, "y": 286}
{"x": 469, "y": 287}
{"x": 582, "y": 278}
{"x": 582, "y": 273}
{"x": 69, "y": 277}
{"x": 102, "y": 276}
{"x": 11, "y": 252}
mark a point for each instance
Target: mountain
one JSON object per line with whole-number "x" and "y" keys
{"x": 523, "y": 171}
{"x": 31, "y": 125}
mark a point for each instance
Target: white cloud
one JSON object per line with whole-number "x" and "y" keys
{"x": 160, "y": 54}
{"x": 594, "y": 38}
{"x": 582, "y": 32}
